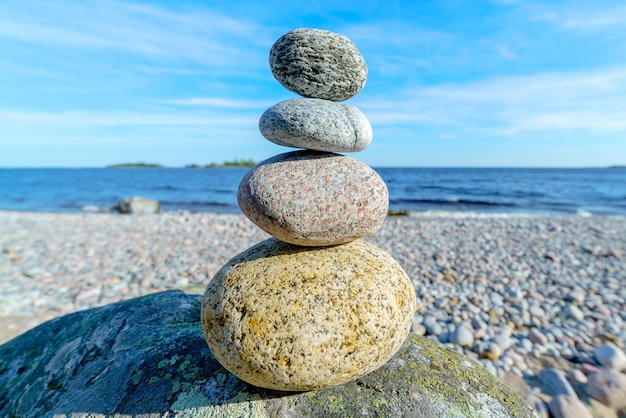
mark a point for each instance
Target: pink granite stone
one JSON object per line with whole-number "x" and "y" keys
{"x": 314, "y": 198}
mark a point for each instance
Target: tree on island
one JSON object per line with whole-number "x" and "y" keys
{"x": 233, "y": 163}
{"x": 135, "y": 165}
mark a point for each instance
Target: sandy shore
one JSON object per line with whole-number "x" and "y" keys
{"x": 543, "y": 289}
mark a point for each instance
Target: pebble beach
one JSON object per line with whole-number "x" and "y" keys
{"x": 540, "y": 301}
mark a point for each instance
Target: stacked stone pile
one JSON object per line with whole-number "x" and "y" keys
{"x": 315, "y": 305}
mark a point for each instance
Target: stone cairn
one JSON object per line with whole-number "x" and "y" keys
{"x": 315, "y": 306}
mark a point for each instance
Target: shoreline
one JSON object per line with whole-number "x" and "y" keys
{"x": 536, "y": 291}
{"x": 400, "y": 213}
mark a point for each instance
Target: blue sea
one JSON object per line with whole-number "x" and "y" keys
{"x": 599, "y": 191}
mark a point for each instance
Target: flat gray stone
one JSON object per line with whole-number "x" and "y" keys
{"x": 314, "y": 198}
{"x": 318, "y": 63}
{"x": 316, "y": 124}
{"x": 147, "y": 357}
{"x": 556, "y": 382}
{"x": 566, "y": 406}
{"x": 462, "y": 336}
{"x": 138, "y": 206}
{"x": 610, "y": 356}
{"x": 608, "y": 387}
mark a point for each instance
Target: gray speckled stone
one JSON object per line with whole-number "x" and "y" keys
{"x": 294, "y": 318}
{"x": 318, "y": 63}
{"x": 316, "y": 124}
{"x": 314, "y": 198}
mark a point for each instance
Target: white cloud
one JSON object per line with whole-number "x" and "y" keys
{"x": 592, "y": 101}
{"x": 505, "y": 52}
{"x": 580, "y": 17}
{"x": 197, "y": 35}
{"x": 219, "y": 102}
{"x": 70, "y": 120}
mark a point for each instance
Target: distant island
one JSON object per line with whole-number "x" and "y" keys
{"x": 135, "y": 165}
{"x": 225, "y": 164}
{"x": 618, "y": 166}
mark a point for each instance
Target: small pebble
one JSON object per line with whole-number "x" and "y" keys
{"x": 577, "y": 376}
{"x": 537, "y": 336}
{"x": 538, "y": 405}
{"x": 610, "y": 356}
{"x": 462, "y": 336}
{"x": 568, "y": 406}
{"x": 556, "y": 381}
{"x": 608, "y": 387}
{"x": 460, "y": 258}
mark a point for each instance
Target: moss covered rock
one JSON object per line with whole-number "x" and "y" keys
{"x": 147, "y": 357}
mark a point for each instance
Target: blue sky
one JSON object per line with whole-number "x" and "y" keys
{"x": 451, "y": 82}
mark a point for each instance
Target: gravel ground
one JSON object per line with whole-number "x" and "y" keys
{"x": 520, "y": 294}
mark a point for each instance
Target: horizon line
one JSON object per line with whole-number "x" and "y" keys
{"x": 613, "y": 166}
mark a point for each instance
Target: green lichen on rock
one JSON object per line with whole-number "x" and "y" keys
{"x": 146, "y": 357}
{"x": 424, "y": 379}
{"x": 457, "y": 380}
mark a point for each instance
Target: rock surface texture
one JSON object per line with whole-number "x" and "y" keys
{"x": 300, "y": 318}
{"x": 318, "y": 63}
{"x": 316, "y": 124}
{"x": 147, "y": 357}
{"x": 314, "y": 198}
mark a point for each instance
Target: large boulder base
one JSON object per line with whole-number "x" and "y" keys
{"x": 147, "y": 357}
{"x": 287, "y": 317}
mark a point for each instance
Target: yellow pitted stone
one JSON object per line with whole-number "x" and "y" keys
{"x": 295, "y": 318}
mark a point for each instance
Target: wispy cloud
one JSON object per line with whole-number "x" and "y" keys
{"x": 148, "y": 73}
{"x": 193, "y": 34}
{"x": 593, "y": 101}
{"x": 576, "y": 17}
{"x": 505, "y": 51}
{"x": 70, "y": 119}
{"x": 219, "y": 102}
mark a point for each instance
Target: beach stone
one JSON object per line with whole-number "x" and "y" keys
{"x": 138, "y": 206}
{"x": 573, "y": 312}
{"x": 295, "y": 318}
{"x": 567, "y": 406}
{"x": 316, "y": 124}
{"x": 608, "y": 387}
{"x": 537, "y": 336}
{"x": 418, "y": 329}
{"x": 314, "y": 198}
{"x": 503, "y": 341}
{"x": 490, "y": 350}
{"x": 318, "y": 63}
{"x": 462, "y": 336}
{"x": 146, "y": 357}
{"x": 577, "y": 376}
{"x": 556, "y": 382}
{"x": 538, "y": 405}
{"x": 431, "y": 325}
{"x": 589, "y": 369}
{"x": 610, "y": 356}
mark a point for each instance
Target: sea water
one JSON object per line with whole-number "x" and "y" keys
{"x": 585, "y": 191}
